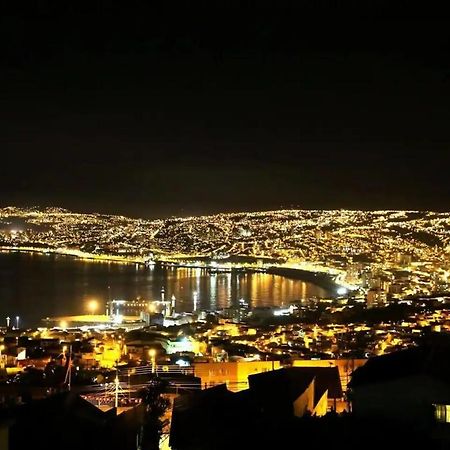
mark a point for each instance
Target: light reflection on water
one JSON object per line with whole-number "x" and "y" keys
{"x": 34, "y": 286}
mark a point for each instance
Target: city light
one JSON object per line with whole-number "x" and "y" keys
{"x": 327, "y": 242}
{"x": 118, "y": 319}
{"x": 93, "y": 306}
{"x": 152, "y": 354}
{"x": 182, "y": 363}
{"x": 342, "y": 291}
{"x": 195, "y": 299}
{"x": 204, "y": 247}
{"x": 328, "y": 251}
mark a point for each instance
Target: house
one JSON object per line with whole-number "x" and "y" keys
{"x": 204, "y": 409}
{"x": 139, "y": 343}
{"x": 68, "y": 421}
{"x": 234, "y": 373}
{"x": 346, "y": 366}
{"x": 251, "y": 418}
{"x": 296, "y": 390}
{"x": 410, "y": 387}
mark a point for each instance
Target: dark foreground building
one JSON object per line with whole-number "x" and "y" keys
{"x": 67, "y": 421}
{"x": 259, "y": 417}
{"x": 410, "y": 388}
{"x": 281, "y": 409}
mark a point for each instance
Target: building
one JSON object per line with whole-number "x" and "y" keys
{"x": 115, "y": 308}
{"x": 184, "y": 344}
{"x": 212, "y": 411}
{"x": 409, "y": 387}
{"x": 376, "y": 298}
{"x": 233, "y": 374}
{"x": 68, "y": 421}
{"x": 346, "y": 367}
{"x": 403, "y": 259}
{"x": 296, "y": 390}
{"x": 262, "y": 416}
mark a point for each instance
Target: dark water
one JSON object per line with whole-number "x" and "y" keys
{"x": 35, "y": 286}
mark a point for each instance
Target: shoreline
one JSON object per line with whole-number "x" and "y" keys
{"x": 319, "y": 279}
{"x": 73, "y": 254}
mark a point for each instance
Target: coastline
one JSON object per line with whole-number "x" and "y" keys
{"x": 319, "y": 279}
{"x": 73, "y": 253}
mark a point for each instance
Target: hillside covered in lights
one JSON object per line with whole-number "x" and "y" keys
{"x": 329, "y": 237}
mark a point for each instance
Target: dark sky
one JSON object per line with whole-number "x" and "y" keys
{"x": 154, "y": 112}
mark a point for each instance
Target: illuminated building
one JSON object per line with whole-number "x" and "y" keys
{"x": 403, "y": 259}
{"x": 233, "y": 374}
{"x": 297, "y": 390}
{"x": 345, "y": 366}
{"x": 376, "y": 298}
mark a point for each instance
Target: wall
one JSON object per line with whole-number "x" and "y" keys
{"x": 322, "y": 405}
{"x": 305, "y": 402}
{"x": 345, "y": 366}
{"x": 235, "y": 374}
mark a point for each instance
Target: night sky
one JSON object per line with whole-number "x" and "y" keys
{"x": 156, "y": 112}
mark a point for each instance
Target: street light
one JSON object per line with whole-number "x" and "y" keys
{"x": 341, "y": 290}
{"x": 68, "y": 378}
{"x": 93, "y": 306}
{"x": 2, "y": 347}
{"x": 152, "y": 353}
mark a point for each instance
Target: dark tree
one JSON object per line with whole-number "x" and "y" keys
{"x": 155, "y": 407}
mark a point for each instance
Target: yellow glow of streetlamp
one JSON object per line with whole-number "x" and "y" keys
{"x": 63, "y": 324}
{"x": 93, "y": 306}
{"x": 152, "y": 353}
